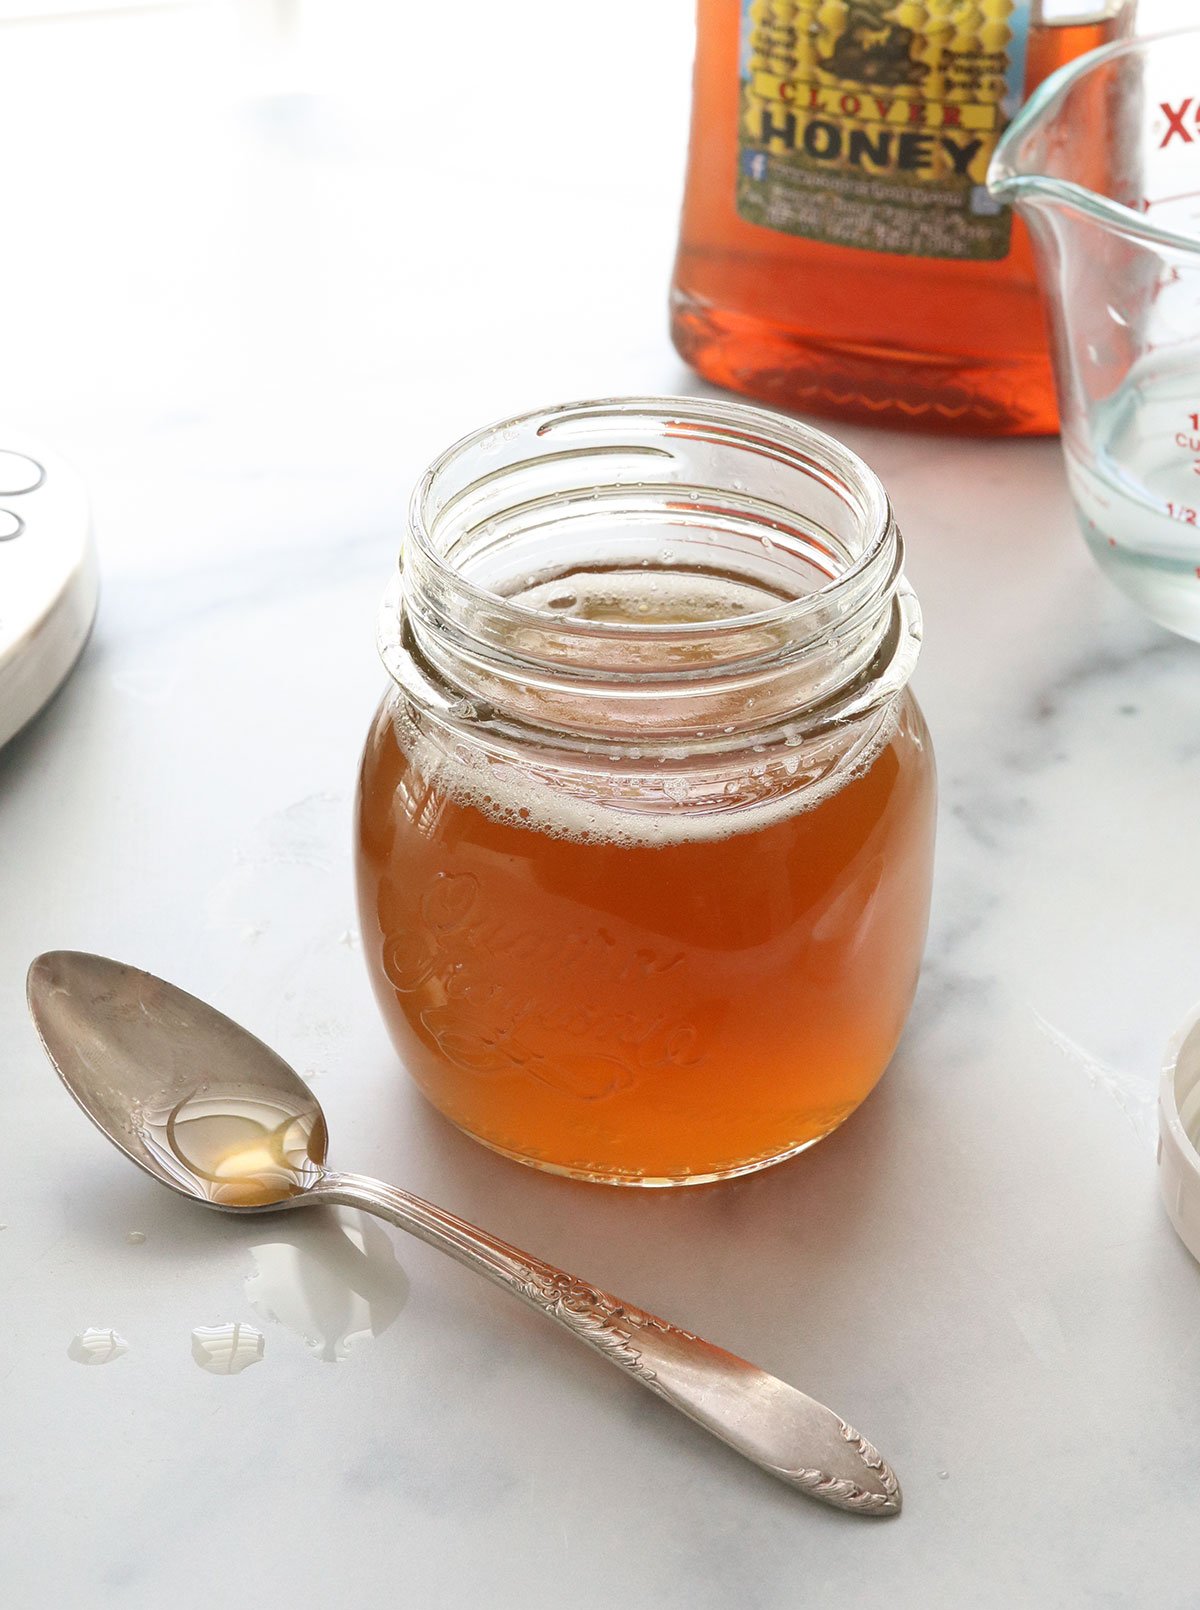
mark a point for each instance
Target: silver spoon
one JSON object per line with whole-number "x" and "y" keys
{"x": 209, "y": 1110}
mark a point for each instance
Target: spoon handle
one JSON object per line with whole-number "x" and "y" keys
{"x": 788, "y": 1434}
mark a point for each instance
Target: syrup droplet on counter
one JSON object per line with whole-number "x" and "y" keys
{"x": 136, "y": 1237}
{"x": 227, "y": 1349}
{"x": 96, "y": 1346}
{"x": 236, "y": 1150}
{"x": 335, "y": 1284}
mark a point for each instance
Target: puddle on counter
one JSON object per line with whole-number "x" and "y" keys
{"x": 227, "y": 1349}
{"x": 96, "y": 1346}
{"x": 333, "y": 1281}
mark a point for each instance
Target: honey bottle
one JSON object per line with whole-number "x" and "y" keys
{"x": 840, "y": 252}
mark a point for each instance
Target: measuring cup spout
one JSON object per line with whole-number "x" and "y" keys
{"x": 1057, "y": 150}
{"x": 1103, "y": 164}
{"x": 1105, "y": 134}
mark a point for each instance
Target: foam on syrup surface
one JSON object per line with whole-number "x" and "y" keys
{"x": 613, "y": 808}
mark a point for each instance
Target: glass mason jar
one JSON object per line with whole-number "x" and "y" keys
{"x": 645, "y": 821}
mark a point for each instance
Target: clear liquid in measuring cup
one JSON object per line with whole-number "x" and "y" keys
{"x": 235, "y": 1150}
{"x": 1136, "y": 485}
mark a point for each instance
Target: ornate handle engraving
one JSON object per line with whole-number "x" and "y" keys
{"x": 769, "y": 1422}
{"x": 595, "y": 1317}
{"x": 843, "y": 1493}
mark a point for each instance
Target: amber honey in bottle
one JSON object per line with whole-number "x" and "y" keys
{"x": 840, "y": 252}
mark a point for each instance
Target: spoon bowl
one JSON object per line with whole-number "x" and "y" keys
{"x": 184, "y": 1091}
{"x": 213, "y": 1113}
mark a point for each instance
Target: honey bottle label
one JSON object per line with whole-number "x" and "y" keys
{"x": 871, "y": 123}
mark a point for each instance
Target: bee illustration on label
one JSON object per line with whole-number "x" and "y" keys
{"x": 873, "y": 49}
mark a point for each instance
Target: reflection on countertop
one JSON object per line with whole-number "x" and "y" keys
{"x": 333, "y": 1280}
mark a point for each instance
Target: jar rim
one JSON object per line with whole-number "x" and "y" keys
{"x": 835, "y": 650}
{"x": 760, "y": 430}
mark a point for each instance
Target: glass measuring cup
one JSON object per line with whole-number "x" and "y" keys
{"x": 1104, "y": 164}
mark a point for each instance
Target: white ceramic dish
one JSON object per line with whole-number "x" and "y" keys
{"x": 1179, "y": 1132}
{"x": 48, "y": 581}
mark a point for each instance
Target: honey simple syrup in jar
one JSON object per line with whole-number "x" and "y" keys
{"x": 645, "y": 822}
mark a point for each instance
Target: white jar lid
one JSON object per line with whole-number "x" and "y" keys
{"x": 48, "y": 583}
{"x": 1179, "y": 1133}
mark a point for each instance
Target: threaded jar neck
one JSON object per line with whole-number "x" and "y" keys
{"x": 666, "y": 571}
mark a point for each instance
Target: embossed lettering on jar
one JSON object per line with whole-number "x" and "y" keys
{"x": 646, "y": 816}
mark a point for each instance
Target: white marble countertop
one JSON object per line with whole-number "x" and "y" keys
{"x": 250, "y": 314}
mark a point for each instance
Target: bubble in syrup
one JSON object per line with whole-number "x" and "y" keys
{"x": 562, "y": 601}
{"x": 227, "y": 1349}
{"x": 96, "y": 1346}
